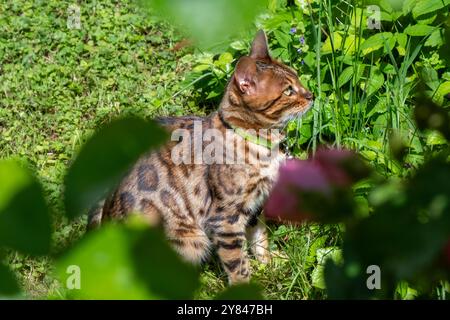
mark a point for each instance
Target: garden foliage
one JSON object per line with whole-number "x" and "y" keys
{"x": 380, "y": 92}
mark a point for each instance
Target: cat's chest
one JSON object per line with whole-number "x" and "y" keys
{"x": 269, "y": 171}
{"x": 260, "y": 187}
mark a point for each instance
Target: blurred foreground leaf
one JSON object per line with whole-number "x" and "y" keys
{"x": 8, "y": 284}
{"x": 25, "y": 223}
{"x": 428, "y": 115}
{"x": 127, "y": 262}
{"x": 346, "y": 281}
{"x": 208, "y": 22}
{"x": 405, "y": 237}
{"x": 162, "y": 269}
{"x": 104, "y": 159}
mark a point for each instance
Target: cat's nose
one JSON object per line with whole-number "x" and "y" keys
{"x": 308, "y": 95}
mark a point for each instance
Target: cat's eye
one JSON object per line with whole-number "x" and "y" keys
{"x": 289, "y": 91}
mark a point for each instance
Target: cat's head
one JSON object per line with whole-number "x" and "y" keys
{"x": 268, "y": 90}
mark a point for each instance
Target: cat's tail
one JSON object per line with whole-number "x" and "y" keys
{"x": 95, "y": 216}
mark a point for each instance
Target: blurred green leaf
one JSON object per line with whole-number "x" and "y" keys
{"x": 426, "y": 6}
{"x": 428, "y": 115}
{"x": 223, "y": 18}
{"x": 434, "y": 138}
{"x": 106, "y": 267}
{"x": 405, "y": 292}
{"x": 419, "y": 30}
{"x": 25, "y": 223}
{"x": 8, "y": 283}
{"x": 104, "y": 159}
{"x": 442, "y": 91}
{"x": 346, "y": 281}
{"x": 162, "y": 269}
{"x": 128, "y": 261}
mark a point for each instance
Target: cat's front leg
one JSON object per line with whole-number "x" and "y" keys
{"x": 258, "y": 241}
{"x": 230, "y": 241}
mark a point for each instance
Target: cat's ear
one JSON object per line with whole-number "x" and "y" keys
{"x": 245, "y": 75}
{"x": 260, "y": 48}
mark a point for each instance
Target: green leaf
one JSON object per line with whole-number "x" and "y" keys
{"x": 402, "y": 40}
{"x": 104, "y": 159}
{"x": 305, "y": 132}
{"x": 25, "y": 223}
{"x": 345, "y": 76}
{"x": 430, "y": 77}
{"x": 405, "y": 292}
{"x": 444, "y": 53}
{"x": 224, "y": 60}
{"x": 241, "y": 292}
{"x": 127, "y": 261}
{"x": 426, "y": 6}
{"x": 375, "y": 42}
{"x": 336, "y": 38}
{"x": 316, "y": 244}
{"x": 434, "y": 138}
{"x": 239, "y": 45}
{"x": 374, "y": 82}
{"x": 282, "y": 38}
{"x": 441, "y": 92}
{"x": 8, "y": 283}
{"x": 427, "y": 19}
{"x": 386, "y": 6}
{"x": 317, "y": 277}
{"x": 388, "y": 68}
{"x": 436, "y": 39}
{"x": 278, "y": 52}
{"x": 201, "y": 67}
{"x": 323, "y": 254}
{"x": 419, "y": 30}
{"x": 408, "y": 5}
{"x": 333, "y": 253}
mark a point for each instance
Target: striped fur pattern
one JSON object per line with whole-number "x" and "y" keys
{"x": 205, "y": 207}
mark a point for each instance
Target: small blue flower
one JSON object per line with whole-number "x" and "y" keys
{"x": 303, "y": 62}
{"x": 299, "y": 50}
{"x": 302, "y": 40}
{"x": 293, "y": 30}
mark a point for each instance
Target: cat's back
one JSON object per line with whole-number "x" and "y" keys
{"x": 162, "y": 184}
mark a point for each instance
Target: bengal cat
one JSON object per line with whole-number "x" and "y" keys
{"x": 206, "y": 205}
